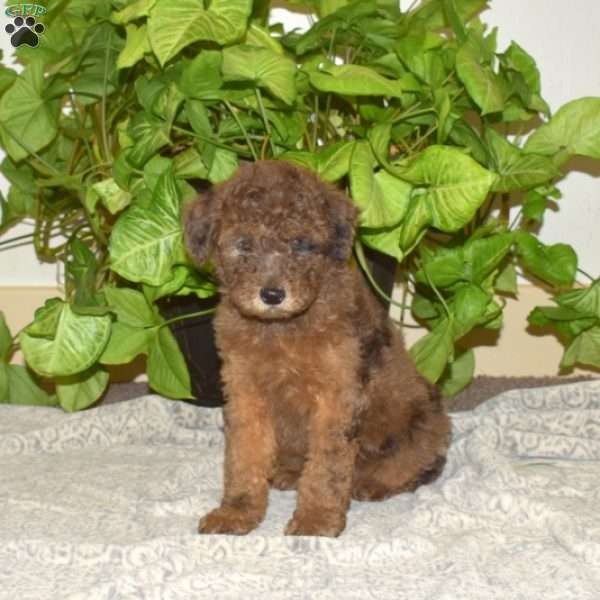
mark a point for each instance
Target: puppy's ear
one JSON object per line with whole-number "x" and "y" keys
{"x": 199, "y": 226}
{"x": 342, "y": 218}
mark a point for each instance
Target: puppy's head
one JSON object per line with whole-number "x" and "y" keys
{"x": 273, "y": 232}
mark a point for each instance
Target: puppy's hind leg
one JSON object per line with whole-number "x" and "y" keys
{"x": 416, "y": 457}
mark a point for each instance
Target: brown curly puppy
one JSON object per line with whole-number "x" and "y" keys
{"x": 321, "y": 394}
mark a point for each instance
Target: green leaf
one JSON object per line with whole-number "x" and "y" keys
{"x": 5, "y": 339}
{"x": 463, "y": 134}
{"x": 224, "y": 165}
{"x": 583, "y": 350}
{"x": 132, "y": 10}
{"x": 21, "y": 388}
{"x": 423, "y": 308}
{"x": 516, "y": 169}
{"x": 451, "y": 183}
{"x": 468, "y": 307}
{"x": 382, "y": 198}
{"x": 150, "y": 135}
{"x": 355, "y": 80}
{"x": 167, "y": 371}
{"x": 554, "y": 264}
{"x": 145, "y": 244}
{"x": 333, "y": 161}
{"x": 432, "y": 14}
{"x": 201, "y": 77}
{"x": 4, "y": 368}
{"x": 189, "y": 164}
{"x": 81, "y": 269}
{"x": 524, "y": 77}
{"x": 130, "y": 306}
{"x": 263, "y": 38}
{"x": 76, "y": 345}
{"x": 28, "y": 119}
{"x": 454, "y": 19}
{"x": 82, "y": 390}
{"x": 136, "y": 46}
{"x": 327, "y": 7}
{"x": 263, "y": 67}
{"x": 459, "y": 373}
{"x": 173, "y": 26}
{"x": 506, "y": 281}
{"x": 7, "y": 78}
{"x": 485, "y": 254}
{"x": 319, "y": 33}
{"x": 518, "y": 59}
{"x": 431, "y": 353}
{"x": 112, "y": 196}
{"x": 418, "y": 217}
{"x": 418, "y": 52}
{"x": 567, "y": 321}
{"x": 384, "y": 240}
{"x": 534, "y": 206}
{"x": 125, "y": 343}
{"x": 483, "y": 85}
{"x": 444, "y": 268}
{"x": 574, "y": 129}
{"x": 585, "y": 301}
{"x": 46, "y": 318}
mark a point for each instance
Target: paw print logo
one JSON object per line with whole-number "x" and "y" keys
{"x": 24, "y": 31}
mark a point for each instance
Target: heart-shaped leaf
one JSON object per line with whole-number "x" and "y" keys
{"x": 145, "y": 244}
{"x": 555, "y": 264}
{"x": 82, "y": 390}
{"x": 382, "y": 198}
{"x": 432, "y": 352}
{"x": 174, "y": 25}
{"x": 451, "y": 183}
{"x": 28, "y": 118}
{"x": 167, "y": 371}
{"x": 77, "y": 343}
{"x": 355, "y": 80}
{"x": 262, "y": 66}
{"x": 574, "y": 129}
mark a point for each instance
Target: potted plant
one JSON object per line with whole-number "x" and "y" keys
{"x": 125, "y": 109}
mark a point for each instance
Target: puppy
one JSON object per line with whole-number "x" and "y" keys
{"x": 321, "y": 395}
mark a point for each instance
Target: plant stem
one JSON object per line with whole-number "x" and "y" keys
{"x": 404, "y": 295}
{"x": 200, "y": 313}
{"x": 105, "y": 142}
{"x": 82, "y": 125}
{"x": 515, "y": 220}
{"x": 315, "y": 137}
{"x": 263, "y": 113}
{"x": 592, "y": 279}
{"x": 436, "y": 291}
{"x": 241, "y": 126}
{"x": 211, "y": 141}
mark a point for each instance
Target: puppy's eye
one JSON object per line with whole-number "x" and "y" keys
{"x": 303, "y": 245}
{"x": 244, "y": 244}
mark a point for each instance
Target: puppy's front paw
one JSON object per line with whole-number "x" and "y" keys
{"x": 228, "y": 520}
{"x": 323, "y": 523}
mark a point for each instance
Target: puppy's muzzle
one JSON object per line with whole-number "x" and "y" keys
{"x": 272, "y": 296}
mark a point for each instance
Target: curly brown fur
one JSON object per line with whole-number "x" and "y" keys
{"x": 321, "y": 394}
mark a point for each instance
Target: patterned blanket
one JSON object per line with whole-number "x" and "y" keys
{"x": 104, "y": 505}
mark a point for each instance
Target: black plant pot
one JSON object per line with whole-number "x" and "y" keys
{"x": 196, "y": 339}
{"x": 383, "y": 270}
{"x": 196, "y": 335}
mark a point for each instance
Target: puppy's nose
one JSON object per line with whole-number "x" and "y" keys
{"x": 272, "y": 296}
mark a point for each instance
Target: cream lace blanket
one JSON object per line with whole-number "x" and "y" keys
{"x": 104, "y": 505}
